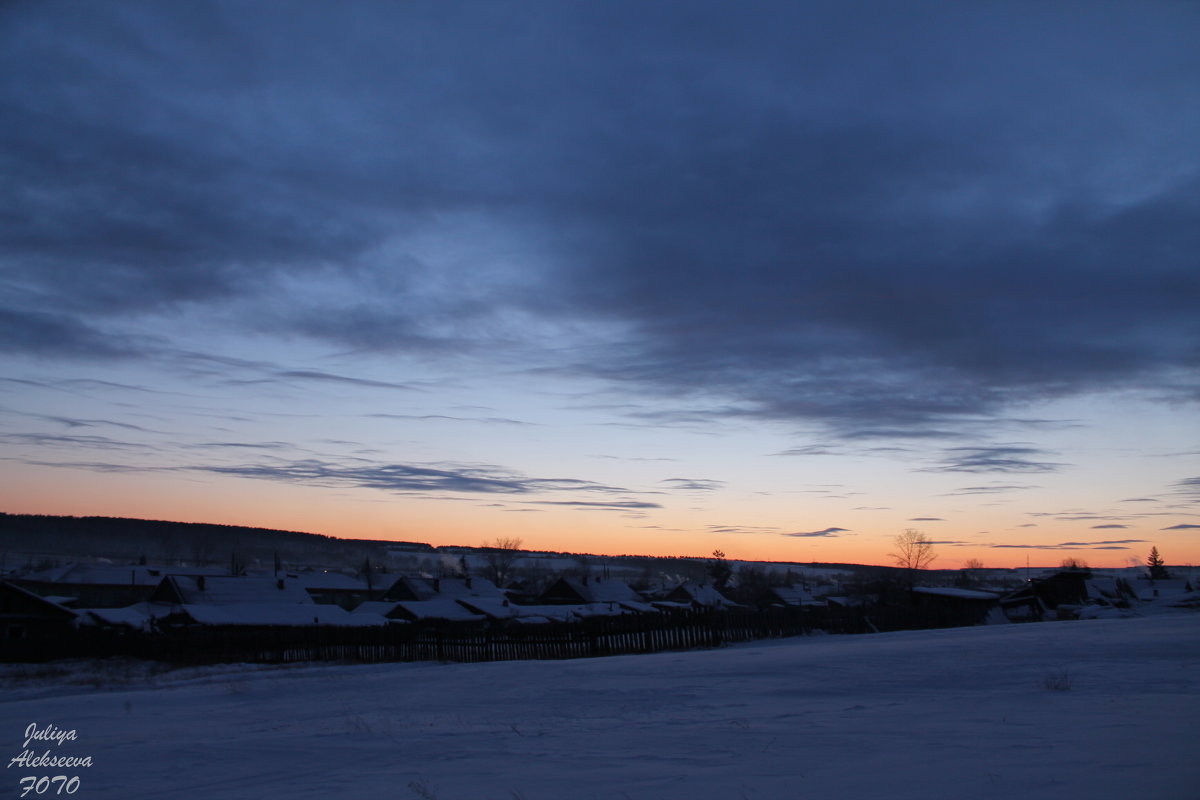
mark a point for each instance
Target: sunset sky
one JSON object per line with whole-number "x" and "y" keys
{"x": 780, "y": 279}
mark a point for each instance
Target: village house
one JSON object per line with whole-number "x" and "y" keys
{"x": 791, "y": 597}
{"x": 334, "y": 588}
{"x": 28, "y": 618}
{"x": 695, "y": 595}
{"x": 437, "y": 609}
{"x": 950, "y": 605}
{"x": 604, "y": 591}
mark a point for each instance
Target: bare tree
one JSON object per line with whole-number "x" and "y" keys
{"x": 499, "y": 558}
{"x": 914, "y": 550}
{"x": 1074, "y": 563}
{"x": 971, "y": 573}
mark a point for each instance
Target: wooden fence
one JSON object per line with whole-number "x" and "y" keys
{"x": 457, "y": 642}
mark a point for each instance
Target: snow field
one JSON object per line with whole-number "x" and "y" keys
{"x": 1097, "y": 709}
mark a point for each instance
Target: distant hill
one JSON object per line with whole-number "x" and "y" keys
{"x": 31, "y": 536}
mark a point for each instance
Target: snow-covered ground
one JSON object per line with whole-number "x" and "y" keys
{"x": 1093, "y": 709}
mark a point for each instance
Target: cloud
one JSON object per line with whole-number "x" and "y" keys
{"x": 999, "y": 488}
{"x": 57, "y": 335}
{"x": 389, "y": 477}
{"x": 442, "y": 479}
{"x": 1110, "y": 525}
{"x": 927, "y": 519}
{"x": 327, "y": 377}
{"x": 741, "y": 529}
{"x": 997, "y": 458}
{"x": 813, "y": 450}
{"x": 615, "y": 505}
{"x": 827, "y": 532}
{"x": 1182, "y": 527}
{"x": 72, "y": 442}
{"x": 693, "y": 484}
{"x": 447, "y": 418}
{"x": 1189, "y": 487}
{"x": 897, "y": 264}
{"x": 1115, "y": 544}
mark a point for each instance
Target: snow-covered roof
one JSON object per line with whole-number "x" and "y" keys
{"x": 382, "y": 607}
{"x": 272, "y": 614}
{"x": 793, "y": 595}
{"x": 135, "y": 616}
{"x": 602, "y": 609}
{"x": 604, "y": 590}
{"x": 443, "y": 608}
{"x": 259, "y": 590}
{"x": 954, "y": 591}
{"x": 326, "y": 580}
{"x": 702, "y": 594}
{"x": 116, "y": 574}
{"x": 467, "y": 587}
{"x": 419, "y": 588}
{"x": 500, "y": 609}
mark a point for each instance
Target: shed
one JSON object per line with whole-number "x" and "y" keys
{"x": 951, "y": 605}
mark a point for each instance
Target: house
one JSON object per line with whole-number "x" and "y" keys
{"x": 224, "y": 590}
{"x": 334, "y": 588}
{"x": 949, "y": 605}
{"x": 437, "y": 609}
{"x": 28, "y": 617}
{"x": 504, "y": 610}
{"x": 407, "y": 588}
{"x": 139, "y": 616}
{"x": 1034, "y": 601}
{"x": 792, "y": 597}
{"x": 105, "y": 585}
{"x": 467, "y": 587}
{"x": 695, "y": 595}
{"x": 611, "y": 592}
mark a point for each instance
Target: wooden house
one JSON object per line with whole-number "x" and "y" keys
{"x": 791, "y": 597}
{"x": 605, "y": 591}
{"x": 333, "y": 588}
{"x": 29, "y": 617}
{"x": 696, "y": 595}
{"x": 225, "y": 590}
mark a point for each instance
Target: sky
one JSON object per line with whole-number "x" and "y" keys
{"x": 782, "y": 280}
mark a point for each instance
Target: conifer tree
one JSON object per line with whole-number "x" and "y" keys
{"x": 1157, "y": 566}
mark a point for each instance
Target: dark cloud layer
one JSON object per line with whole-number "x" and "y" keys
{"x": 899, "y": 221}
